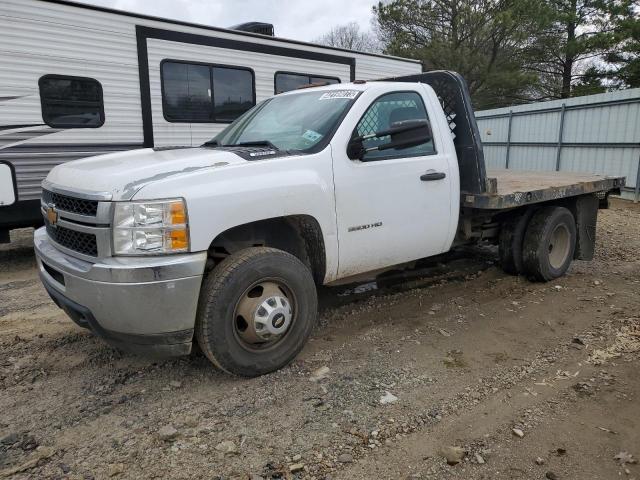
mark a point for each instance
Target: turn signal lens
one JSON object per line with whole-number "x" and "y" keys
{"x": 177, "y": 213}
{"x": 179, "y": 239}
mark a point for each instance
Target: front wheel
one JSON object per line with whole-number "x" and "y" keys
{"x": 256, "y": 311}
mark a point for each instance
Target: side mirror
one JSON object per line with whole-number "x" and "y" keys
{"x": 407, "y": 134}
{"x": 404, "y": 134}
{"x": 355, "y": 149}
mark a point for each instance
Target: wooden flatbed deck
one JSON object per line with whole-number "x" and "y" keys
{"x": 513, "y": 188}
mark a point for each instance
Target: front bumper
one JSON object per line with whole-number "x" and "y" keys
{"x": 140, "y": 304}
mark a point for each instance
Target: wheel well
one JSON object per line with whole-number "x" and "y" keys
{"x": 299, "y": 235}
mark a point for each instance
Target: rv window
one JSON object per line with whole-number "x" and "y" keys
{"x": 196, "y": 93}
{"x": 232, "y": 93}
{"x": 186, "y": 92}
{"x": 327, "y": 80}
{"x": 285, "y": 82}
{"x": 71, "y": 102}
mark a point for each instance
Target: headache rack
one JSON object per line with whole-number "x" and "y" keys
{"x": 453, "y": 93}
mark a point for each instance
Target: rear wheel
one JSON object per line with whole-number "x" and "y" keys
{"x": 549, "y": 243}
{"x": 256, "y": 311}
{"x": 511, "y": 240}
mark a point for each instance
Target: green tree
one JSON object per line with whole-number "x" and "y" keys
{"x": 487, "y": 41}
{"x": 589, "y": 83}
{"x": 623, "y": 62}
{"x": 578, "y": 35}
{"x": 515, "y": 51}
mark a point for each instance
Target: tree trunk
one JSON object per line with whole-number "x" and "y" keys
{"x": 569, "y": 59}
{"x": 567, "y": 68}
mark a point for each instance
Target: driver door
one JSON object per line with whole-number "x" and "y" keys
{"x": 394, "y": 205}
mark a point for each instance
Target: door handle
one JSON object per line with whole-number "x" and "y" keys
{"x": 429, "y": 177}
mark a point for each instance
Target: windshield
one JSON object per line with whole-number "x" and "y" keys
{"x": 303, "y": 121}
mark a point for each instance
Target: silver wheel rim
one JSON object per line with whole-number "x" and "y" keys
{"x": 559, "y": 246}
{"x": 264, "y": 314}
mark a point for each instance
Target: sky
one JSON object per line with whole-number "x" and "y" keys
{"x": 295, "y": 19}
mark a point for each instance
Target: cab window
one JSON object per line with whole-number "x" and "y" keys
{"x": 385, "y": 111}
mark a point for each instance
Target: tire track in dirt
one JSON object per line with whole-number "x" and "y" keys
{"x": 451, "y": 351}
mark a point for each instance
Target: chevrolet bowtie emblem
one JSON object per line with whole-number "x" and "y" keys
{"x": 52, "y": 214}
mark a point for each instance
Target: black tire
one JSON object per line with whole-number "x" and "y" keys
{"x": 222, "y": 289}
{"x": 549, "y": 244}
{"x": 510, "y": 242}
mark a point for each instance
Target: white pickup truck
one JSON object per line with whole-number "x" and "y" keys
{"x": 224, "y": 244}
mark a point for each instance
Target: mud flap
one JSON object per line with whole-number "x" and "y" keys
{"x": 585, "y": 212}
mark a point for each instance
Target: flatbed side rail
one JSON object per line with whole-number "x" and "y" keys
{"x": 602, "y": 187}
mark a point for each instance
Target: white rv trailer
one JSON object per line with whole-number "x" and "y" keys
{"x": 79, "y": 80}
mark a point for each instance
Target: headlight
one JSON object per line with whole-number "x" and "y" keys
{"x": 150, "y": 228}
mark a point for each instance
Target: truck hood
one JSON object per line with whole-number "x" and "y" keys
{"x": 122, "y": 174}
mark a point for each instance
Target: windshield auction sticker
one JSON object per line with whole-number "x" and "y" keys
{"x": 339, "y": 94}
{"x": 312, "y": 136}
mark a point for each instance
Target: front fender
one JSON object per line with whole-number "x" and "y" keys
{"x": 218, "y": 200}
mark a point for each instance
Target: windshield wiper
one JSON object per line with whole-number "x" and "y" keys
{"x": 255, "y": 143}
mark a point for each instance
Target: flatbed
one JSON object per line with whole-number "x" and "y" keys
{"x": 494, "y": 190}
{"x": 514, "y": 188}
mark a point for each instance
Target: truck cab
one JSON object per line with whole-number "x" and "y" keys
{"x": 226, "y": 242}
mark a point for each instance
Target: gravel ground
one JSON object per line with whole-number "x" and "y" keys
{"x": 446, "y": 364}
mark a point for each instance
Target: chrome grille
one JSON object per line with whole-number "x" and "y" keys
{"x": 81, "y": 242}
{"x": 79, "y": 206}
{"x": 78, "y": 223}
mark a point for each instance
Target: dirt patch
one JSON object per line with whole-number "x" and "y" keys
{"x": 453, "y": 354}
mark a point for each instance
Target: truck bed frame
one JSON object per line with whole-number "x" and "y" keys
{"x": 516, "y": 188}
